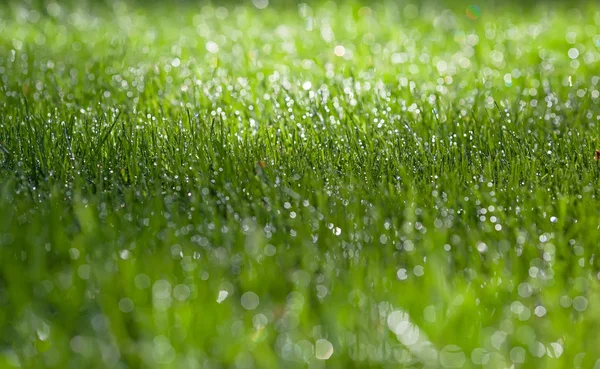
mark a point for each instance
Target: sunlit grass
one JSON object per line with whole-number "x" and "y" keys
{"x": 352, "y": 185}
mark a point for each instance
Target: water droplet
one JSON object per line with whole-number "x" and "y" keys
{"x": 161, "y": 289}
{"x": 222, "y": 296}
{"x": 260, "y": 4}
{"x": 452, "y": 356}
{"x": 250, "y": 300}
{"x": 142, "y": 281}
{"x": 497, "y": 339}
{"x": 430, "y": 314}
{"x": 517, "y": 355}
{"x": 539, "y": 311}
{"x": 401, "y": 274}
{"x": 555, "y": 350}
{"x": 339, "y": 50}
{"x": 418, "y": 270}
{"x": 212, "y": 47}
{"x": 480, "y": 356}
{"x": 525, "y": 290}
{"x": 126, "y": 305}
{"x": 43, "y": 331}
{"x": 580, "y": 303}
{"x": 181, "y": 292}
{"x": 573, "y": 53}
{"x": 163, "y": 352}
{"x": 323, "y": 349}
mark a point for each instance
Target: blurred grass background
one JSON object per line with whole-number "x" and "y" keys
{"x": 196, "y": 185}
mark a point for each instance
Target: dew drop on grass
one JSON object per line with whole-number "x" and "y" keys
{"x": 539, "y": 311}
{"x": 126, "y": 305}
{"x": 565, "y": 301}
{"x": 161, "y": 295}
{"x": 323, "y": 349}
{"x": 43, "y": 331}
{"x": 517, "y": 355}
{"x": 537, "y": 349}
{"x": 339, "y": 50}
{"x": 142, "y": 281}
{"x": 163, "y": 352}
{"x": 525, "y": 290}
{"x": 161, "y": 289}
{"x": 295, "y": 301}
{"x": 452, "y": 356}
{"x": 419, "y": 270}
{"x": 250, "y": 300}
{"x": 181, "y": 292}
{"x": 554, "y": 350}
{"x": 398, "y": 321}
{"x": 260, "y": 4}
{"x": 430, "y": 314}
{"x": 270, "y": 250}
{"x": 573, "y": 53}
{"x": 212, "y": 47}
{"x": 259, "y": 321}
{"x": 497, "y": 339}
{"x": 321, "y": 291}
{"x": 480, "y": 356}
{"x": 580, "y": 303}
{"x": 222, "y": 296}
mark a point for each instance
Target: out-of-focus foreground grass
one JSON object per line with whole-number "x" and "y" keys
{"x": 258, "y": 186}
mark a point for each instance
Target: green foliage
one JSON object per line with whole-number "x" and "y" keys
{"x": 205, "y": 186}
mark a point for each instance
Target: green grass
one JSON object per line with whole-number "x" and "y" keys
{"x": 196, "y": 186}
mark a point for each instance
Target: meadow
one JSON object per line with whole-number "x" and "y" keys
{"x": 316, "y": 185}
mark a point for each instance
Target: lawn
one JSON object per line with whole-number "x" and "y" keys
{"x": 319, "y": 185}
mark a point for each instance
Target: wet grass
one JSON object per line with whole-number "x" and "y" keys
{"x": 354, "y": 185}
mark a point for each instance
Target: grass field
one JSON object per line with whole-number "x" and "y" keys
{"x": 255, "y": 185}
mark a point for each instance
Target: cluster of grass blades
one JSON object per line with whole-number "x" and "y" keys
{"x": 255, "y": 185}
